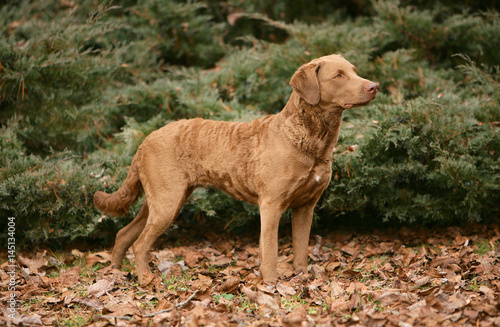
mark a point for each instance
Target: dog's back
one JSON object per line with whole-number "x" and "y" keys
{"x": 221, "y": 154}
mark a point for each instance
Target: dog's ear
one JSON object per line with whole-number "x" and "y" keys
{"x": 305, "y": 83}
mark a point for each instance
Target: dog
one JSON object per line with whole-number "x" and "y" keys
{"x": 278, "y": 162}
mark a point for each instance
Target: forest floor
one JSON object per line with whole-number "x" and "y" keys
{"x": 406, "y": 277}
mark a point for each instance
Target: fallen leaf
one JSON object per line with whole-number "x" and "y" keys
{"x": 284, "y": 289}
{"x": 443, "y": 262}
{"x": 192, "y": 258}
{"x": 354, "y": 301}
{"x": 317, "y": 271}
{"x": 454, "y": 302}
{"x": 356, "y": 287}
{"x": 100, "y": 288}
{"x": 122, "y": 306}
{"x": 285, "y": 270}
{"x": 389, "y": 299}
{"x": 77, "y": 253}
{"x": 454, "y": 317}
{"x": 230, "y": 285}
{"x": 352, "y": 274}
{"x": 202, "y": 283}
{"x": 29, "y": 320}
{"x": 296, "y": 318}
{"x": 95, "y": 304}
{"x": 472, "y": 314}
{"x": 99, "y": 257}
{"x": 171, "y": 318}
{"x": 269, "y": 288}
{"x": 487, "y": 291}
{"x": 348, "y": 250}
{"x": 339, "y": 305}
{"x": 70, "y": 277}
{"x": 336, "y": 289}
{"x": 422, "y": 281}
{"x": 34, "y": 264}
{"x": 164, "y": 254}
{"x": 260, "y": 298}
{"x": 318, "y": 247}
{"x": 171, "y": 268}
{"x": 220, "y": 261}
{"x": 417, "y": 305}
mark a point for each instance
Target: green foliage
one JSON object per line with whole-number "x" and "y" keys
{"x": 436, "y": 34}
{"x": 189, "y": 34}
{"x": 51, "y": 198}
{"x": 428, "y": 160}
{"x": 81, "y": 85}
{"x": 50, "y": 78}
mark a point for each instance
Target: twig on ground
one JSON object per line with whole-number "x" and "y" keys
{"x": 175, "y": 306}
{"x": 114, "y": 317}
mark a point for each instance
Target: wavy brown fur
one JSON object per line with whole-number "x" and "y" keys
{"x": 118, "y": 203}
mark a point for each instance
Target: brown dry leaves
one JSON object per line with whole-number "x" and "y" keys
{"x": 444, "y": 277}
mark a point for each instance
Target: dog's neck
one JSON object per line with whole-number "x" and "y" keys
{"x": 313, "y": 129}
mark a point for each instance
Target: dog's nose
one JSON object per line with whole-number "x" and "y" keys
{"x": 372, "y": 87}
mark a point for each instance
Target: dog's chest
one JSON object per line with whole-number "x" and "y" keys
{"x": 313, "y": 185}
{"x": 320, "y": 175}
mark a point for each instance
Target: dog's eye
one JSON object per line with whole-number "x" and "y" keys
{"x": 337, "y": 76}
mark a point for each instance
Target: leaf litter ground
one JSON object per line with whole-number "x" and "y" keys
{"x": 408, "y": 277}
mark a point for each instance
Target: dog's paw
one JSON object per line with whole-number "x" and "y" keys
{"x": 116, "y": 266}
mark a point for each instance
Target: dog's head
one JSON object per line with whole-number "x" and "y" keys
{"x": 332, "y": 81}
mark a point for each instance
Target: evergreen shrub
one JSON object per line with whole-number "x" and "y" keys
{"x": 82, "y": 84}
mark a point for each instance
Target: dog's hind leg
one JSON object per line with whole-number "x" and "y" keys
{"x": 128, "y": 234}
{"x": 163, "y": 210}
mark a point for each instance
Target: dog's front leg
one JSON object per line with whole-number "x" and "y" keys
{"x": 301, "y": 228}
{"x": 269, "y": 219}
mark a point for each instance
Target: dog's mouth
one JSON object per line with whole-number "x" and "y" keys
{"x": 349, "y": 105}
{"x": 358, "y": 104}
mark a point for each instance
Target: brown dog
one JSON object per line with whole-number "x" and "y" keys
{"x": 277, "y": 162}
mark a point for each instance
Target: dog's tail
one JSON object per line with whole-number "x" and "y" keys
{"x": 118, "y": 203}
